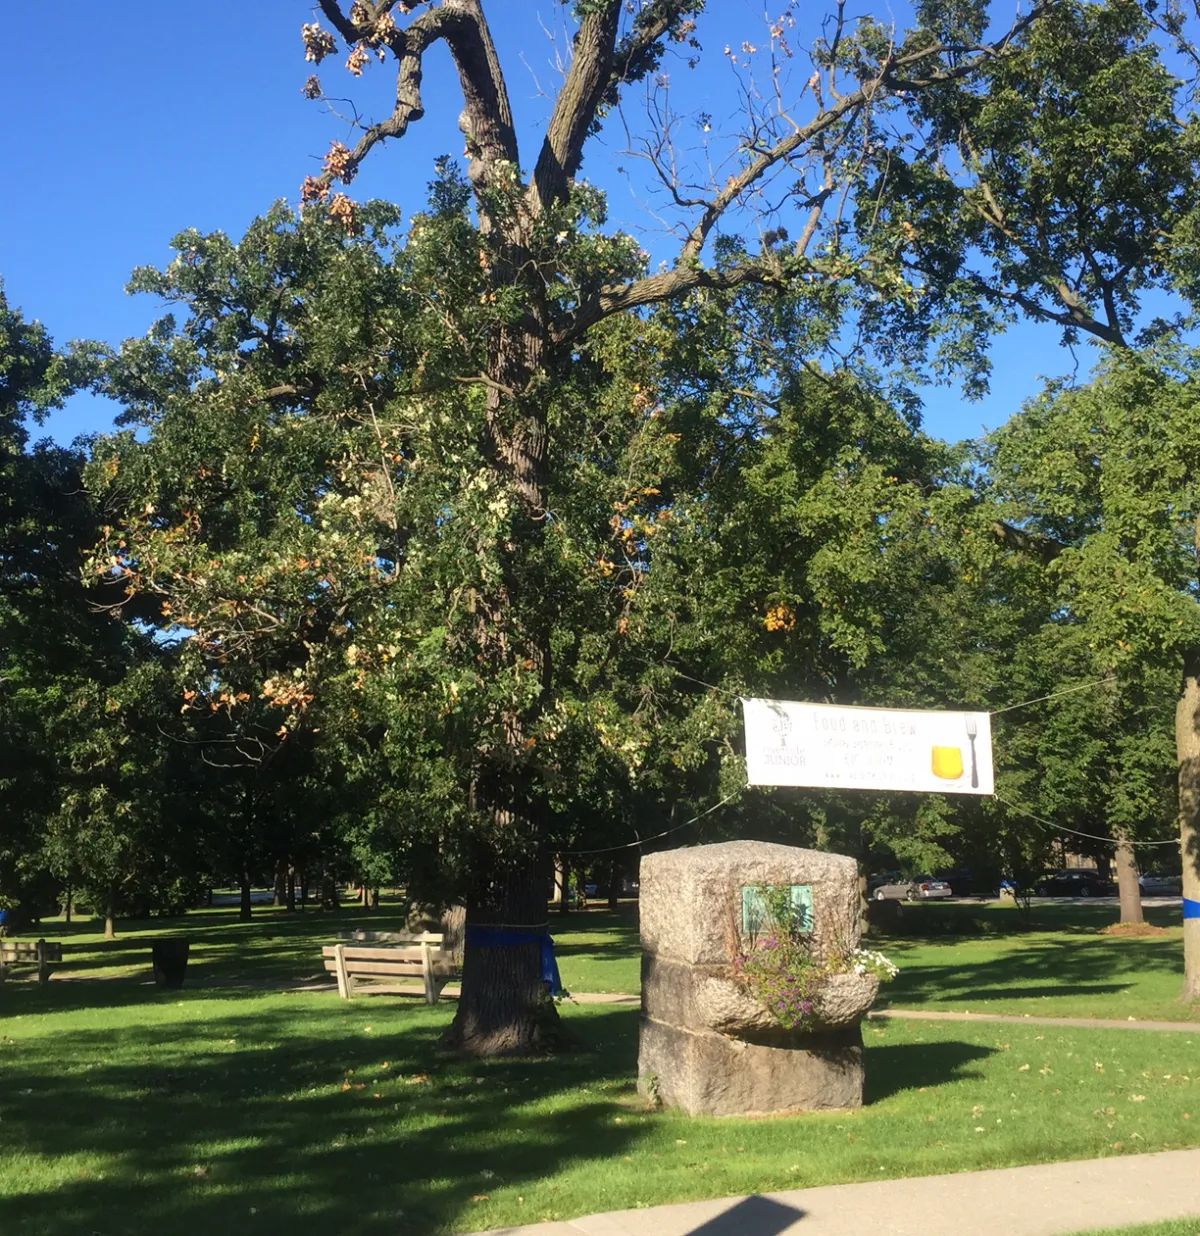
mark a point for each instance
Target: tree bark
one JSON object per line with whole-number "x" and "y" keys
{"x": 1127, "y": 882}
{"x": 245, "y": 910}
{"x": 504, "y": 1009}
{"x": 291, "y": 889}
{"x": 1187, "y": 747}
{"x": 280, "y": 882}
{"x": 110, "y": 915}
{"x": 614, "y": 877}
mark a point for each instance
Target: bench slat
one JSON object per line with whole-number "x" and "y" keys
{"x": 379, "y": 954}
{"x": 376, "y": 967}
{"x": 394, "y": 937}
{"x": 386, "y": 967}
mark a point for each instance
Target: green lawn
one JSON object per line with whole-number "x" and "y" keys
{"x": 1057, "y": 965}
{"x": 598, "y": 951}
{"x": 125, "y": 1110}
{"x": 275, "y": 947}
{"x": 1173, "y": 1227}
{"x": 1060, "y": 967}
{"x": 1045, "y": 974}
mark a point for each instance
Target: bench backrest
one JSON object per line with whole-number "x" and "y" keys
{"x": 28, "y": 950}
{"x": 433, "y": 938}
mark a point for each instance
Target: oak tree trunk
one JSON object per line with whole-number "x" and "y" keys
{"x": 291, "y": 888}
{"x": 504, "y": 1009}
{"x": 1187, "y": 747}
{"x": 1127, "y": 882}
{"x": 244, "y": 905}
{"x": 280, "y": 882}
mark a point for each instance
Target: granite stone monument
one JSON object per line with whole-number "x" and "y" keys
{"x": 707, "y": 1045}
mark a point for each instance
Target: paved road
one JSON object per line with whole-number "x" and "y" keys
{"x": 1051, "y": 1199}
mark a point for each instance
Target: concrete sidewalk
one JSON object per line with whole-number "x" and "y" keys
{"x": 1050, "y": 1199}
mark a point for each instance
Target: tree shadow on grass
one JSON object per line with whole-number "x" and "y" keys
{"x": 190, "y": 1127}
{"x": 1067, "y": 967}
{"x": 317, "y": 1115}
{"x": 894, "y": 1068}
{"x": 28, "y": 997}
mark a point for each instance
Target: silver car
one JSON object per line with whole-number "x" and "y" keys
{"x": 919, "y": 888}
{"x": 925, "y": 887}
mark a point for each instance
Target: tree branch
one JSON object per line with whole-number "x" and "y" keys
{"x": 575, "y": 108}
{"x": 1046, "y": 548}
{"x": 687, "y": 274}
{"x": 655, "y": 289}
{"x": 1075, "y": 315}
{"x": 486, "y": 119}
{"x": 409, "y": 47}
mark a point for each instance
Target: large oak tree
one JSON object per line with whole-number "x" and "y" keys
{"x": 466, "y": 506}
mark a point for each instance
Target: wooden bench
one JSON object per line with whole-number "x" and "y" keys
{"x": 40, "y": 953}
{"x": 388, "y": 956}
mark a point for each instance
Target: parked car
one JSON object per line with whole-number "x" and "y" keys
{"x": 1155, "y": 884}
{"x": 891, "y": 885}
{"x": 1073, "y": 882}
{"x": 926, "y": 888}
{"x": 966, "y": 883}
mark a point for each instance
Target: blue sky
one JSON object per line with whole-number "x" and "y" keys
{"x": 168, "y": 116}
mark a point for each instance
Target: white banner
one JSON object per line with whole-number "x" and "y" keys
{"x": 867, "y": 748}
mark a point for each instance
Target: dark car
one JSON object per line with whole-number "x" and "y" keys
{"x": 1073, "y": 882}
{"x": 1158, "y": 884}
{"x": 966, "y": 882}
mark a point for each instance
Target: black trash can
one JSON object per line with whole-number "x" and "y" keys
{"x": 170, "y": 961}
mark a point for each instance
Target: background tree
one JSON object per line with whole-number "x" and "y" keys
{"x": 1104, "y": 477}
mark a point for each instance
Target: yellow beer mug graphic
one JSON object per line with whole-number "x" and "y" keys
{"x": 947, "y": 763}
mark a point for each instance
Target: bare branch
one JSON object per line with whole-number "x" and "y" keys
{"x": 408, "y": 47}
{"x": 487, "y": 117}
{"x": 688, "y": 274}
